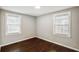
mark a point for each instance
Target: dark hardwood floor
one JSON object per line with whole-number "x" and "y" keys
{"x": 35, "y": 45}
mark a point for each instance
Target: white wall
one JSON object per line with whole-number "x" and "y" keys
{"x": 0, "y": 26}
{"x": 27, "y": 28}
{"x": 45, "y": 29}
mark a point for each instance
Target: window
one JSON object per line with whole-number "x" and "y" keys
{"x": 13, "y": 23}
{"x": 61, "y": 24}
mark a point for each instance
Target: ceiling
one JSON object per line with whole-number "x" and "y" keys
{"x": 30, "y": 10}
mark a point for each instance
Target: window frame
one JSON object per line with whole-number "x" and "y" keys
{"x": 69, "y": 20}
{"x": 6, "y": 24}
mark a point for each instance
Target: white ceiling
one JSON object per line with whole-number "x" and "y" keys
{"x": 30, "y": 10}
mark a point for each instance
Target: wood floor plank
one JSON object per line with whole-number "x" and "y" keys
{"x": 35, "y": 45}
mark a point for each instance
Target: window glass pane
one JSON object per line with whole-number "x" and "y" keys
{"x": 13, "y": 20}
{"x": 61, "y": 19}
{"x": 13, "y": 28}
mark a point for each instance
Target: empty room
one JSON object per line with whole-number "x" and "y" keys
{"x": 39, "y": 28}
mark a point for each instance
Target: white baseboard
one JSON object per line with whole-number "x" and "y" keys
{"x": 15, "y": 41}
{"x": 60, "y": 44}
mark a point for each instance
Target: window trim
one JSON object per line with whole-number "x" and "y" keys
{"x": 16, "y": 15}
{"x": 59, "y": 14}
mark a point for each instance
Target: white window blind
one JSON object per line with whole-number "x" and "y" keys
{"x": 13, "y": 23}
{"x": 61, "y": 23}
